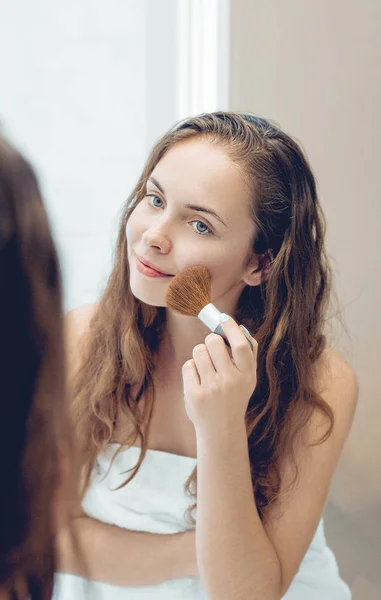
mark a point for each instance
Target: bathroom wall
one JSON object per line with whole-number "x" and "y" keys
{"x": 314, "y": 67}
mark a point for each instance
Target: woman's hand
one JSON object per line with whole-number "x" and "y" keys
{"x": 217, "y": 386}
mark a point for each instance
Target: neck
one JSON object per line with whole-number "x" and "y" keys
{"x": 183, "y": 333}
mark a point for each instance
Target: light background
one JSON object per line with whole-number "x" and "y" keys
{"x": 87, "y": 87}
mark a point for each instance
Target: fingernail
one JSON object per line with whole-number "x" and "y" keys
{"x": 224, "y": 317}
{"x": 244, "y": 328}
{"x": 248, "y": 332}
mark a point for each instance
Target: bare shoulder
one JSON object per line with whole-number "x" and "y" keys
{"x": 337, "y": 382}
{"x": 79, "y": 318}
{"x": 77, "y": 324}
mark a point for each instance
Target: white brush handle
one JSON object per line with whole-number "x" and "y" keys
{"x": 210, "y": 316}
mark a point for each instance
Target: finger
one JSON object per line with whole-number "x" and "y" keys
{"x": 219, "y": 353}
{"x": 248, "y": 336}
{"x": 204, "y": 364}
{"x": 242, "y": 353}
{"x": 191, "y": 379}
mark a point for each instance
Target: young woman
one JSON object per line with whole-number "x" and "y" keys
{"x": 38, "y": 467}
{"x": 161, "y": 404}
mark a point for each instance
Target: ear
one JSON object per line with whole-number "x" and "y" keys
{"x": 259, "y": 268}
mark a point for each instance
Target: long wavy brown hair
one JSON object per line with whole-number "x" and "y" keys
{"x": 286, "y": 313}
{"x": 36, "y": 440}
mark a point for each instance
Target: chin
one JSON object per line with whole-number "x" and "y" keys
{"x": 151, "y": 299}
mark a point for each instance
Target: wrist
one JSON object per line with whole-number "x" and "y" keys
{"x": 221, "y": 434}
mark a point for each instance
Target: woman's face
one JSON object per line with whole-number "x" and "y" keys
{"x": 196, "y": 211}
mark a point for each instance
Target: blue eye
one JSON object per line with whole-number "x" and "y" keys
{"x": 208, "y": 232}
{"x": 153, "y": 196}
{"x": 197, "y": 231}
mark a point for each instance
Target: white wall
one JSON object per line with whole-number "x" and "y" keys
{"x": 74, "y": 97}
{"x": 86, "y": 88}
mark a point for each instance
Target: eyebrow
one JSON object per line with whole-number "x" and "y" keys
{"x": 190, "y": 206}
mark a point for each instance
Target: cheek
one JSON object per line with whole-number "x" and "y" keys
{"x": 223, "y": 261}
{"x": 129, "y": 232}
{"x": 226, "y": 269}
{"x": 133, "y": 228}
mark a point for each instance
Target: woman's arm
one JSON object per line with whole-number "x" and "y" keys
{"x": 124, "y": 557}
{"x": 239, "y": 558}
{"x": 236, "y": 558}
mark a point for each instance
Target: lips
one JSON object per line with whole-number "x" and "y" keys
{"x": 151, "y": 266}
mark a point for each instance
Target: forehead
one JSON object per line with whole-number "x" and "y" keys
{"x": 201, "y": 171}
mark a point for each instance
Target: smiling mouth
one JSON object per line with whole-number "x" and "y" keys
{"x": 149, "y": 271}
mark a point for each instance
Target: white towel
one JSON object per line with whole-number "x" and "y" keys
{"x": 155, "y": 501}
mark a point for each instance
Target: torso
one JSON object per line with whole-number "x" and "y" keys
{"x": 170, "y": 430}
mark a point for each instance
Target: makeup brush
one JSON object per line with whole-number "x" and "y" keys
{"x": 189, "y": 293}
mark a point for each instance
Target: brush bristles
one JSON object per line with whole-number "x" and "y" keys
{"x": 190, "y": 290}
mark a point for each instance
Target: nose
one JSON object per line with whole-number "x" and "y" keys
{"x": 158, "y": 238}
